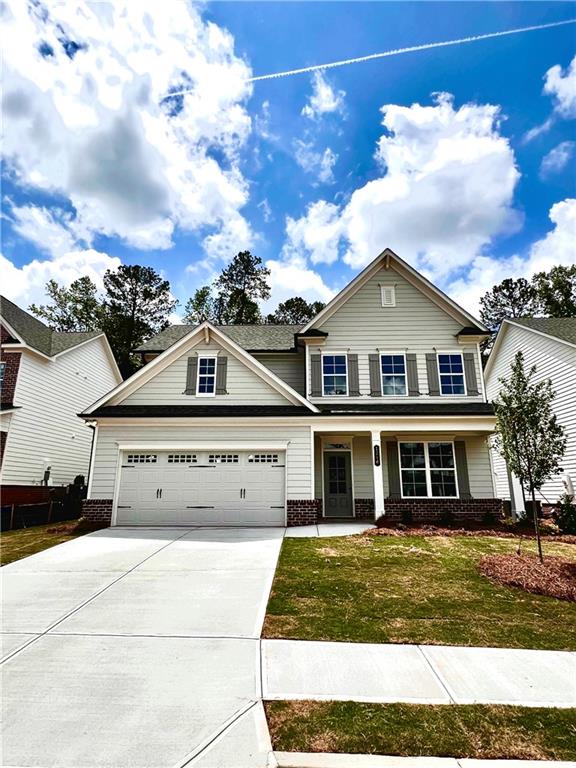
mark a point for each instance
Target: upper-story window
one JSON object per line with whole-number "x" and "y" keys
{"x": 334, "y": 375}
{"x": 451, "y": 373}
{"x": 393, "y": 369}
{"x": 206, "y": 384}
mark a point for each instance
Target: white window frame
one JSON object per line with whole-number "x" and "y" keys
{"x": 461, "y": 356}
{"x": 334, "y": 354}
{"x": 206, "y": 357}
{"x": 427, "y": 469}
{"x": 387, "y": 287}
{"x": 396, "y": 354}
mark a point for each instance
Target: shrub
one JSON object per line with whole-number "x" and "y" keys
{"x": 548, "y": 527}
{"x": 565, "y": 514}
{"x": 447, "y": 519}
{"x": 489, "y": 519}
{"x": 406, "y": 516}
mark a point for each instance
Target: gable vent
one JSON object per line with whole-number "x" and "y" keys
{"x": 388, "y": 293}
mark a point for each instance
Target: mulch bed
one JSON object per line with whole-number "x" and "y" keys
{"x": 436, "y": 530}
{"x": 555, "y": 577}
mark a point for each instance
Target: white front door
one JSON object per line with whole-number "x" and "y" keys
{"x": 202, "y": 488}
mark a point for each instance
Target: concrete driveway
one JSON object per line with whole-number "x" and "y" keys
{"x": 137, "y": 648}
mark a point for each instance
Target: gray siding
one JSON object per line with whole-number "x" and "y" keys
{"x": 299, "y": 463}
{"x": 555, "y": 361}
{"x": 289, "y": 367}
{"x": 416, "y": 324}
{"x": 167, "y": 387}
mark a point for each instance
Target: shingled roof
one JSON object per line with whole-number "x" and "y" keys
{"x": 563, "y": 328}
{"x": 37, "y": 335}
{"x": 252, "y": 338}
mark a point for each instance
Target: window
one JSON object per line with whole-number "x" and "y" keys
{"x": 206, "y": 376}
{"x": 428, "y": 470}
{"x": 451, "y": 371}
{"x": 334, "y": 375}
{"x": 393, "y": 374}
{"x": 142, "y": 458}
{"x": 223, "y": 458}
{"x": 388, "y": 295}
{"x": 263, "y": 458}
{"x": 2, "y": 370}
{"x": 182, "y": 458}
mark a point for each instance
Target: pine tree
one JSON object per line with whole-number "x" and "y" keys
{"x": 76, "y": 308}
{"x": 240, "y": 285}
{"x": 295, "y": 311}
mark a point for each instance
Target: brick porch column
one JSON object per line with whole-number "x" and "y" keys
{"x": 377, "y": 473}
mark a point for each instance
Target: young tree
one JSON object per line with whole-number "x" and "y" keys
{"x": 200, "y": 307}
{"x": 528, "y": 434}
{"x": 76, "y": 308}
{"x": 240, "y": 285}
{"x": 137, "y": 304}
{"x": 557, "y": 291}
{"x": 295, "y": 311}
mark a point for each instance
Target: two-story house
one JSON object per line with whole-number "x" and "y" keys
{"x": 46, "y": 378}
{"x": 549, "y": 343}
{"x": 376, "y": 407}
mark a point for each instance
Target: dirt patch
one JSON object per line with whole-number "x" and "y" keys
{"x": 555, "y": 577}
{"x": 435, "y": 530}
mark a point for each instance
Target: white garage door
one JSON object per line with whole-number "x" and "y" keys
{"x": 202, "y": 488}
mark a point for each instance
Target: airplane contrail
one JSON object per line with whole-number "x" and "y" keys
{"x": 396, "y": 52}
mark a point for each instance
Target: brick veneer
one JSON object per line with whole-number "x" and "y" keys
{"x": 364, "y": 509}
{"x": 97, "y": 510}
{"x": 12, "y": 360}
{"x": 302, "y": 511}
{"x": 429, "y": 510}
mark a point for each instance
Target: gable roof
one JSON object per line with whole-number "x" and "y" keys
{"x": 252, "y": 338}
{"x": 35, "y": 334}
{"x": 413, "y": 276}
{"x": 165, "y": 358}
{"x": 563, "y": 328}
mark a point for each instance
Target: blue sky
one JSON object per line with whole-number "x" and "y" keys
{"x": 461, "y": 159}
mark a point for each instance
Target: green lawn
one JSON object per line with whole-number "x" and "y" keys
{"x": 411, "y": 589}
{"x": 27, "y": 541}
{"x": 473, "y": 731}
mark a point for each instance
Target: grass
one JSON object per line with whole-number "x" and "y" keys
{"x": 15, "y": 545}
{"x": 472, "y": 731}
{"x": 413, "y": 589}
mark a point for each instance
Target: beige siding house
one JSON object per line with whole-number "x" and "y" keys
{"x": 550, "y": 345}
{"x": 376, "y": 408}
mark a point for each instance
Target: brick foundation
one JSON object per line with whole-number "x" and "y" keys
{"x": 429, "y": 510}
{"x": 97, "y": 510}
{"x": 364, "y": 509}
{"x": 303, "y": 511}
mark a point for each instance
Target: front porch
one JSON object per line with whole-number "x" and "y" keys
{"x": 402, "y": 476}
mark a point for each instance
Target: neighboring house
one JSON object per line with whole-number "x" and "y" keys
{"x": 550, "y": 345}
{"x": 47, "y": 378}
{"x": 375, "y": 407}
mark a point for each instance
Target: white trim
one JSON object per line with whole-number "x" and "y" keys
{"x": 312, "y": 465}
{"x": 482, "y": 382}
{"x": 25, "y": 348}
{"x": 414, "y": 277}
{"x": 11, "y": 330}
{"x": 206, "y": 357}
{"x": 334, "y": 354}
{"x": 206, "y": 445}
{"x": 388, "y": 287}
{"x": 92, "y": 460}
{"x": 461, "y": 356}
{"x": 177, "y": 349}
{"x": 427, "y": 469}
{"x": 388, "y": 354}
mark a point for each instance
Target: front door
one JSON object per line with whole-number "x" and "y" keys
{"x": 337, "y": 484}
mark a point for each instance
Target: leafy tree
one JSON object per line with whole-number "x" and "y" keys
{"x": 137, "y": 304}
{"x": 76, "y": 308}
{"x": 557, "y": 291}
{"x": 295, "y": 311}
{"x": 240, "y": 285}
{"x": 200, "y": 307}
{"x": 528, "y": 434}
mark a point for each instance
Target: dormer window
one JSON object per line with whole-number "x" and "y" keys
{"x": 206, "y": 384}
{"x": 388, "y": 295}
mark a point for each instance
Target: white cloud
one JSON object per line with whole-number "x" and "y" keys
{"x": 315, "y": 235}
{"x": 264, "y": 206}
{"x": 292, "y": 277}
{"x": 561, "y": 86}
{"x": 25, "y": 285}
{"x": 557, "y": 159}
{"x": 555, "y": 248}
{"x": 324, "y": 99}
{"x": 320, "y": 164}
{"x": 47, "y": 228}
{"x": 96, "y": 124}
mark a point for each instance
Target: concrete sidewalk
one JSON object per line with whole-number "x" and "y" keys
{"x": 418, "y": 674}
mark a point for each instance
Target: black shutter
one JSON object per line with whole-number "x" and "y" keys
{"x": 470, "y": 371}
{"x": 432, "y": 371}
{"x": 221, "y": 375}
{"x": 315, "y": 376}
{"x": 393, "y": 471}
{"x": 375, "y": 380}
{"x": 353, "y": 381}
{"x": 412, "y": 375}
{"x": 191, "y": 376}
{"x": 462, "y": 469}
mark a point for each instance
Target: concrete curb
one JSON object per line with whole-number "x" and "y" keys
{"x": 337, "y": 760}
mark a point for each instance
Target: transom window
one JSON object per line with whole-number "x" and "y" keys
{"x": 334, "y": 375}
{"x": 428, "y": 470}
{"x": 182, "y": 458}
{"x": 263, "y": 458}
{"x": 223, "y": 458}
{"x": 393, "y": 374}
{"x": 206, "y": 376}
{"x": 142, "y": 458}
{"x": 451, "y": 372}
